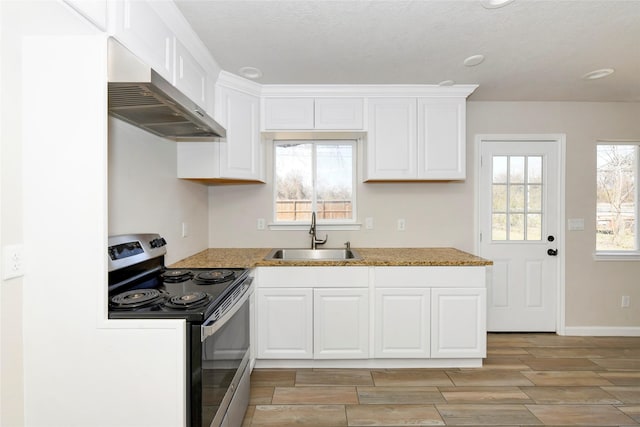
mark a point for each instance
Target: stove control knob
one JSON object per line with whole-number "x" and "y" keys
{"x": 158, "y": 243}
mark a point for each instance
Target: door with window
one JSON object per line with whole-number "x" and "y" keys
{"x": 519, "y": 214}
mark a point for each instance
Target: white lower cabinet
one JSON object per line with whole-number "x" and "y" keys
{"x": 435, "y": 316}
{"x": 402, "y": 323}
{"x": 341, "y": 323}
{"x": 285, "y": 323}
{"x": 458, "y": 328}
{"x": 306, "y": 323}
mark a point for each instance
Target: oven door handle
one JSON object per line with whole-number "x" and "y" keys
{"x": 209, "y": 327}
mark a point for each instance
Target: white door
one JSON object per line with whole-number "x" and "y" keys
{"x": 519, "y": 222}
{"x": 341, "y": 323}
{"x": 395, "y": 308}
{"x": 285, "y": 323}
{"x": 457, "y": 323}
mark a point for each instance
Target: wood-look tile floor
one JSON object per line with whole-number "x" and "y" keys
{"x": 526, "y": 379}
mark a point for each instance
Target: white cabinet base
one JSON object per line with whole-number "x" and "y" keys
{"x": 369, "y": 363}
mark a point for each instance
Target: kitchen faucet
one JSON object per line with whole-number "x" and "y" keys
{"x": 314, "y": 240}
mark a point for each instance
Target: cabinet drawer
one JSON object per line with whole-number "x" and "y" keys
{"x": 404, "y": 277}
{"x": 313, "y": 277}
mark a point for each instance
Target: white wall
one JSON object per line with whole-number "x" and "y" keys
{"x": 146, "y": 197}
{"x": 63, "y": 362}
{"x": 593, "y": 289}
{"x": 441, "y": 214}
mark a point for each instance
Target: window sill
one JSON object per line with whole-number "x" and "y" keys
{"x": 352, "y": 226}
{"x": 617, "y": 256}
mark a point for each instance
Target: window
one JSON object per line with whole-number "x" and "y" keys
{"x": 617, "y": 196}
{"x": 516, "y": 200}
{"x": 314, "y": 176}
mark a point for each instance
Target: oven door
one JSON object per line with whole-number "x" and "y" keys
{"x": 224, "y": 357}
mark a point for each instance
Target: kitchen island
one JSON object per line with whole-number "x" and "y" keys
{"x": 394, "y": 307}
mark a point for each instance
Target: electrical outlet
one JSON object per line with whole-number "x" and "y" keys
{"x": 368, "y": 223}
{"x": 401, "y": 224}
{"x": 185, "y": 229}
{"x": 261, "y": 224}
{"x": 12, "y": 262}
{"x": 626, "y": 301}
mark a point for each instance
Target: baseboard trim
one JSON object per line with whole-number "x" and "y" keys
{"x": 602, "y": 331}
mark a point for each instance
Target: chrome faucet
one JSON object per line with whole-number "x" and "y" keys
{"x": 314, "y": 240}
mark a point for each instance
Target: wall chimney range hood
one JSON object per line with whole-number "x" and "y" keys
{"x": 140, "y": 96}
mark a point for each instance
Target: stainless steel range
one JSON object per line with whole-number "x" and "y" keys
{"x": 215, "y": 306}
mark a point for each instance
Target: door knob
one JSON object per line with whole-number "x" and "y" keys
{"x": 552, "y": 252}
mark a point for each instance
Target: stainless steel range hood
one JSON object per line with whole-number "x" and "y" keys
{"x": 140, "y": 96}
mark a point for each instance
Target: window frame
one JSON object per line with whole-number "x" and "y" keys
{"x": 337, "y": 224}
{"x": 620, "y": 255}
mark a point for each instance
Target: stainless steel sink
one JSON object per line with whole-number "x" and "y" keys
{"x": 313, "y": 255}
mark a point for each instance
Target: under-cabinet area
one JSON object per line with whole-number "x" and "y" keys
{"x": 370, "y": 316}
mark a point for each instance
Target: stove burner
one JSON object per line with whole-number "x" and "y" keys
{"x": 138, "y": 298}
{"x": 215, "y": 276}
{"x": 176, "y": 276}
{"x": 189, "y": 300}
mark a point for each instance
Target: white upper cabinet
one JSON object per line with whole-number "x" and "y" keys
{"x": 338, "y": 113}
{"x": 288, "y": 113}
{"x": 240, "y": 156}
{"x": 313, "y": 113}
{"x": 189, "y": 76}
{"x": 391, "y": 148}
{"x": 139, "y": 27}
{"x": 151, "y": 37}
{"x": 417, "y": 139}
{"x": 441, "y": 138}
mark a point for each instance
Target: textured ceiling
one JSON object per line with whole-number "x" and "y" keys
{"x": 535, "y": 50}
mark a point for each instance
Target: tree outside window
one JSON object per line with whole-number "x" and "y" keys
{"x": 617, "y": 193}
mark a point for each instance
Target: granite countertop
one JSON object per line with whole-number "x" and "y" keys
{"x": 254, "y": 257}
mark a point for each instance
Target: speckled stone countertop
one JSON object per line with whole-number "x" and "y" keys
{"x": 254, "y": 257}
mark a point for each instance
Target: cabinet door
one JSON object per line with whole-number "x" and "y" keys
{"x": 341, "y": 323}
{"x": 139, "y": 27}
{"x": 391, "y": 142}
{"x": 441, "y": 138}
{"x": 402, "y": 323}
{"x": 190, "y": 76}
{"x": 241, "y": 154}
{"x": 338, "y": 113}
{"x": 458, "y": 322}
{"x": 288, "y": 113}
{"x": 285, "y": 323}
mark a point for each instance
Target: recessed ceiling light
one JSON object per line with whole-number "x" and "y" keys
{"x": 494, "y": 4}
{"x": 474, "y": 60}
{"x": 598, "y": 74}
{"x": 250, "y": 72}
{"x": 446, "y": 83}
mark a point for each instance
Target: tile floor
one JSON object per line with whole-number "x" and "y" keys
{"x": 527, "y": 379}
